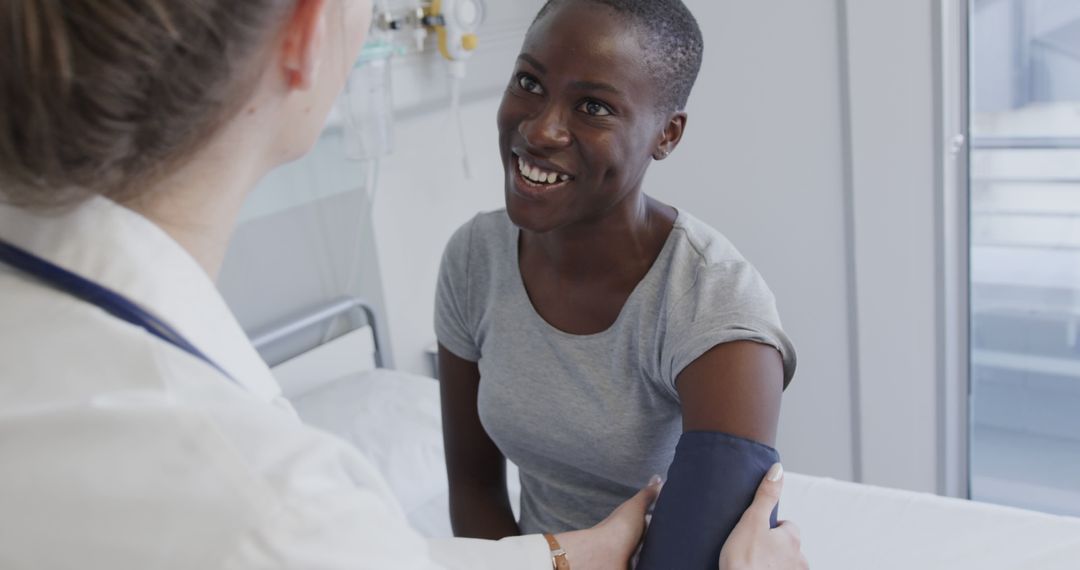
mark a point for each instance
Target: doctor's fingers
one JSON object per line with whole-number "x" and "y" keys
{"x": 766, "y": 498}
{"x": 791, "y": 529}
{"x": 637, "y": 507}
{"x": 791, "y": 537}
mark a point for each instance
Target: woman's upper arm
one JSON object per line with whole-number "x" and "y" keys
{"x": 471, "y": 456}
{"x": 730, "y": 394}
{"x": 734, "y": 388}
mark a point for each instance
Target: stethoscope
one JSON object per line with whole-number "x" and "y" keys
{"x": 107, "y": 300}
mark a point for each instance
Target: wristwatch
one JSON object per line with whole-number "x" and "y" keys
{"x": 558, "y": 555}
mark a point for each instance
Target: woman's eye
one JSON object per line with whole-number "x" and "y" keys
{"x": 530, "y": 85}
{"x": 595, "y": 109}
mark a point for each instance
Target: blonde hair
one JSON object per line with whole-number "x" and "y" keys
{"x": 103, "y": 96}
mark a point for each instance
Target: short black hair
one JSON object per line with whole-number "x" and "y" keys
{"x": 672, "y": 39}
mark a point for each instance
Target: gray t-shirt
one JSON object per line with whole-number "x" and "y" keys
{"x": 589, "y": 418}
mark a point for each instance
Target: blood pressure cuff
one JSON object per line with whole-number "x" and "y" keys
{"x": 710, "y": 483}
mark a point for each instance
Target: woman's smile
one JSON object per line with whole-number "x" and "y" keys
{"x": 534, "y": 178}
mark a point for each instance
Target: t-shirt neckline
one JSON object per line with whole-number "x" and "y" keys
{"x": 521, "y": 291}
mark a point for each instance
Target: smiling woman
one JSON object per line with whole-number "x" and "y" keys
{"x": 596, "y": 114}
{"x": 585, "y": 328}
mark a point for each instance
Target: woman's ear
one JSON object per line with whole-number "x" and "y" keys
{"x": 671, "y": 136}
{"x": 302, "y": 44}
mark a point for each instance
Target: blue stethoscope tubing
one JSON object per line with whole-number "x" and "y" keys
{"x": 107, "y": 300}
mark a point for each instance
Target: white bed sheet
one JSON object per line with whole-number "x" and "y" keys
{"x": 394, "y": 419}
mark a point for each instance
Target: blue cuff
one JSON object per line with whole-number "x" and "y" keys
{"x": 710, "y": 483}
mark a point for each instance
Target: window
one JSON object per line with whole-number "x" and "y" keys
{"x": 1025, "y": 253}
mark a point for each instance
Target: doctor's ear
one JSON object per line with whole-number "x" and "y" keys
{"x": 671, "y": 136}
{"x": 303, "y": 42}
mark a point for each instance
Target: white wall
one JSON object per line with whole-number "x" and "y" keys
{"x": 895, "y": 147}
{"x": 762, "y": 162}
{"x": 423, "y": 197}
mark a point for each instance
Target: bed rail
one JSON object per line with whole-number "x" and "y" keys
{"x": 322, "y": 313}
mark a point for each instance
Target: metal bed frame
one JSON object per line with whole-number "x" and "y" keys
{"x": 347, "y": 306}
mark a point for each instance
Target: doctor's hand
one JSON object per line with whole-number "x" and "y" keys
{"x": 610, "y": 544}
{"x": 752, "y": 545}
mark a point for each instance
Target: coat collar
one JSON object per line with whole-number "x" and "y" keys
{"x": 121, "y": 250}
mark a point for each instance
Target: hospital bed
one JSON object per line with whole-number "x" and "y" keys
{"x": 394, "y": 419}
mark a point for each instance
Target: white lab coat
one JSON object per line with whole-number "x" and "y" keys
{"x": 118, "y": 450}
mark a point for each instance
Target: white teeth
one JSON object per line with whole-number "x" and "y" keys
{"x": 534, "y": 174}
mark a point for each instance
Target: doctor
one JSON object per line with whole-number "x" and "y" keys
{"x": 138, "y": 427}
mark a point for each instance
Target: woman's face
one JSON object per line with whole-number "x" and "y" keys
{"x": 578, "y": 123}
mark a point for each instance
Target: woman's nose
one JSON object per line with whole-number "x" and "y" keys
{"x": 547, "y": 129}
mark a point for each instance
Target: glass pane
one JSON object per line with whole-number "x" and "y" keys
{"x": 1025, "y": 253}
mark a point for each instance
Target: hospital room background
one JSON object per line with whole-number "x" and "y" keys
{"x": 905, "y": 175}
